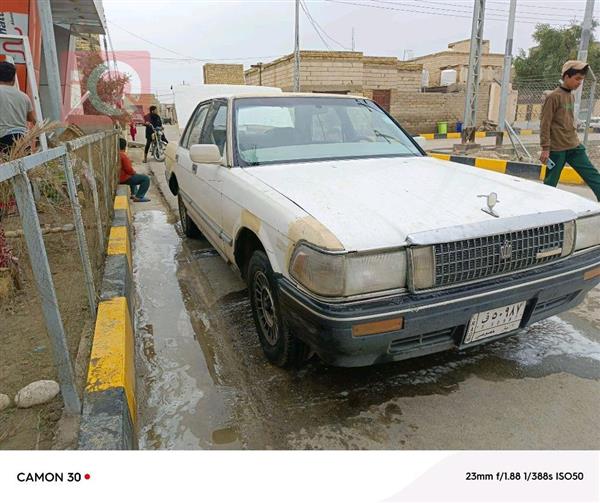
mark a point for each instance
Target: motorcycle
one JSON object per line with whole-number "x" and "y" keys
{"x": 158, "y": 145}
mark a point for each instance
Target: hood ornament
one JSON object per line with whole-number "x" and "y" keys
{"x": 491, "y": 200}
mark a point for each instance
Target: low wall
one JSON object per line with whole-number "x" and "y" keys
{"x": 109, "y": 401}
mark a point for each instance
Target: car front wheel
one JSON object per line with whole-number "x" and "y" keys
{"x": 190, "y": 229}
{"x": 279, "y": 345}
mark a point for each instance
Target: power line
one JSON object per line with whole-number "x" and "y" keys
{"x": 502, "y": 11}
{"x": 468, "y": 11}
{"x": 315, "y": 23}
{"x": 436, "y": 12}
{"x": 185, "y": 57}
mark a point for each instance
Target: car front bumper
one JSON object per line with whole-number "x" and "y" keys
{"x": 433, "y": 321}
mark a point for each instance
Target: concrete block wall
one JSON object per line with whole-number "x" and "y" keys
{"x": 215, "y": 73}
{"x": 420, "y": 112}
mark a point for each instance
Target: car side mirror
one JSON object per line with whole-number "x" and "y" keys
{"x": 205, "y": 154}
{"x": 420, "y": 141}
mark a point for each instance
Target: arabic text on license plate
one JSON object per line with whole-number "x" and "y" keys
{"x": 495, "y": 322}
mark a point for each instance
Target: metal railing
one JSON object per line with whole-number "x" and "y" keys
{"x": 531, "y": 96}
{"x": 16, "y": 172}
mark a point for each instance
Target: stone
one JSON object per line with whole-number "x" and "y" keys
{"x": 4, "y": 401}
{"x": 36, "y": 393}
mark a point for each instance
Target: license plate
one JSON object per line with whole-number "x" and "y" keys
{"x": 495, "y": 322}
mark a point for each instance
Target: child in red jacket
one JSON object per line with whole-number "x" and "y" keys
{"x": 139, "y": 183}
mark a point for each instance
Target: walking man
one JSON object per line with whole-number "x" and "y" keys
{"x": 16, "y": 109}
{"x": 139, "y": 183}
{"x": 558, "y": 133}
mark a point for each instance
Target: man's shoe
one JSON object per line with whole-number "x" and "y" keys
{"x": 141, "y": 200}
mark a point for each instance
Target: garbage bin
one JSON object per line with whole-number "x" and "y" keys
{"x": 459, "y": 126}
{"x": 442, "y": 127}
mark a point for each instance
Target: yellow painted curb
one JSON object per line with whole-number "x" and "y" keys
{"x": 428, "y": 136}
{"x": 122, "y": 203}
{"x": 498, "y": 165}
{"x": 112, "y": 359}
{"x": 525, "y": 132}
{"x": 568, "y": 176}
{"x": 443, "y": 157}
{"x": 118, "y": 243}
{"x": 453, "y": 135}
{"x": 479, "y": 134}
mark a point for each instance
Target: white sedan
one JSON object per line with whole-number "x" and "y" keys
{"x": 357, "y": 246}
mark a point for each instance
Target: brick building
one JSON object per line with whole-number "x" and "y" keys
{"x": 394, "y": 84}
{"x": 223, "y": 74}
{"x": 456, "y": 57}
{"x": 340, "y": 72}
{"x": 139, "y": 104}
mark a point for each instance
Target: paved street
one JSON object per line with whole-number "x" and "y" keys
{"x": 204, "y": 382}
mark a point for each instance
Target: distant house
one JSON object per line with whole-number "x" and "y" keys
{"x": 139, "y": 104}
{"x": 456, "y": 58}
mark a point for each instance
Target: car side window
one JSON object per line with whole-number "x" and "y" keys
{"x": 215, "y": 129}
{"x": 193, "y": 133}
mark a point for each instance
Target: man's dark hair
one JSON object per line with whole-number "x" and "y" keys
{"x": 122, "y": 143}
{"x": 572, "y": 71}
{"x": 7, "y": 71}
{"x": 152, "y": 108}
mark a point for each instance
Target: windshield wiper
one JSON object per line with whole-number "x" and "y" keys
{"x": 387, "y": 137}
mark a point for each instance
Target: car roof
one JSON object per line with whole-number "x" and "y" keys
{"x": 292, "y": 95}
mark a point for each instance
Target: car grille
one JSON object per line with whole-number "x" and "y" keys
{"x": 478, "y": 258}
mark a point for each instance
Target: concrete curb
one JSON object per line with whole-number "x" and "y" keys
{"x": 478, "y": 134}
{"x": 109, "y": 400}
{"x": 520, "y": 169}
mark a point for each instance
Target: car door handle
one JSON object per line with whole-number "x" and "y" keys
{"x": 194, "y": 168}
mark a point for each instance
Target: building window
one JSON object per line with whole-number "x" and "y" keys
{"x": 383, "y": 98}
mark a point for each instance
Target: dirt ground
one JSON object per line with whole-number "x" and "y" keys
{"x": 26, "y": 353}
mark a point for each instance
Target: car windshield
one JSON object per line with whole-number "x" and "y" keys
{"x": 296, "y": 129}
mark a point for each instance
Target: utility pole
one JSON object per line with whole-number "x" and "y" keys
{"x": 353, "y": 46}
{"x": 584, "y": 42}
{"x": 470, "y": 117}
{"x": 50, "y": 59}
{"x": 297, "y": 50}
{"x": 506, "y": 72}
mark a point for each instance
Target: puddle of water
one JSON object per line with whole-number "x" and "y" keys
{"x": 180, "y": 405}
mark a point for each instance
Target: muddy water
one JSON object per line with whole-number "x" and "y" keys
{"x": 183, "y": 402}
{"x": 204, "y": 382}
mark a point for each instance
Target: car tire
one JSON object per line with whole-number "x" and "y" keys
{"x": 190, "y": 229}
{"x": 279, "y": 345}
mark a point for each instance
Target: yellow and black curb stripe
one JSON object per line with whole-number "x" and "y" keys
{"x": 520, "y": 169}
{"x": 478, "y": 134}
{"x": 109, "y": 401}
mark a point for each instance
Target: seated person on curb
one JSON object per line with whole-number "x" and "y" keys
{"x": 139, "y": 183}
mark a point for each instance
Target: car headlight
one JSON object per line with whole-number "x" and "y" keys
{"x": 345, "y": 274}
{"x": 588, "y": 232}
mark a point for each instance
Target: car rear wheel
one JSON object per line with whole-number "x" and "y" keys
{"x": 279, "y": 345}
{"x": 187, "y": 224}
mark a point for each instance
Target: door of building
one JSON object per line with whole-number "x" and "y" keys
{"x": 383, "y": 98}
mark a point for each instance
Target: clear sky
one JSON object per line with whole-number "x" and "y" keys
{"x": 181, "y": 34}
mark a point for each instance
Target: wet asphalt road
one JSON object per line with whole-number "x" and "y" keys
{"x": 203, "y": 382}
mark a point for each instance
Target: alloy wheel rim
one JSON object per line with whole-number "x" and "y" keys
{"x": 265, "y": 308}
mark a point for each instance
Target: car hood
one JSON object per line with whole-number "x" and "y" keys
{"x": 378, "y": 203}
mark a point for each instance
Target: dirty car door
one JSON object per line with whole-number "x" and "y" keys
{"x": 186, "y": 173}
{"x": 209, "y": 175}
